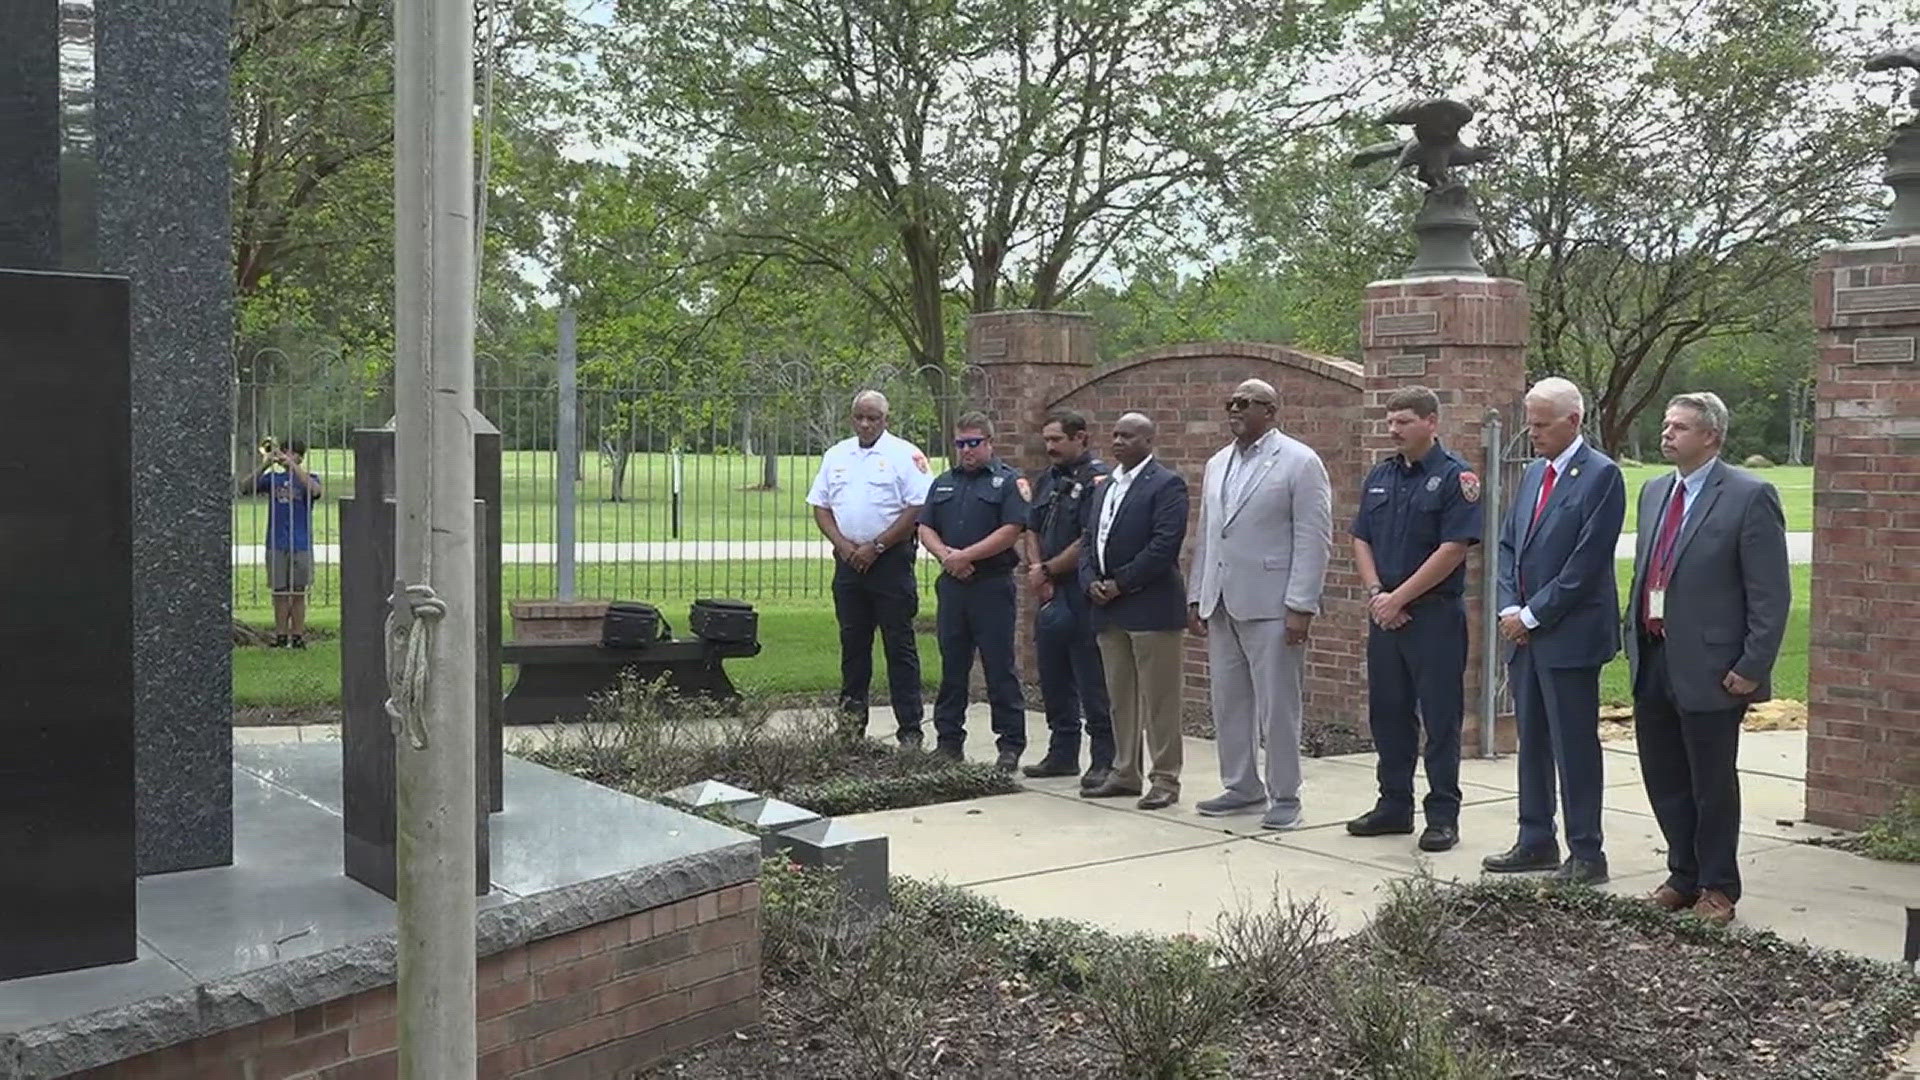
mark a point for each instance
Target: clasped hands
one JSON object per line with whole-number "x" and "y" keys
{"x": 1388, "y": 611}
{"x": 1103, "y": 592}
{"x": 858, "y": 556}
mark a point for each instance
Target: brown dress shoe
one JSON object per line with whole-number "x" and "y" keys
{"x": 1668, "y": 898}
{"x": 1159, "y": 798}
{"x": 1713, "y": 906}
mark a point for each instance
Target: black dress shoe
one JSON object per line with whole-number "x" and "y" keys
{"x": 1051, "y": 767}
{"x": 1518, "y": 859}
{"x": 1108, "y": 790}
{"x": 910, "y": 740}
{"x": 1579, "y": 871}
{"x": 1158, "y": 799}
{"x": 1094, "y": 778}
{"x": 951, "y": 753}
{"x": 1008, "y": 761}
{"x": 1439, "y": 838}
{"x": 1380, "y": 821}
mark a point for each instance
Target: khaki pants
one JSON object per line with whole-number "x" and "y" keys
{"x": 1143, "y": 680}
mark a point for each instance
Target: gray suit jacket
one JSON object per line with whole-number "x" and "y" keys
{"x": 1267, "y": 552}
{"x": 1726, "y": 607}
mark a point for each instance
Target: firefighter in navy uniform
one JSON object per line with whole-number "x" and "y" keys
{"x": 1419, "y": 516}
{"x": 1071, "y": 678}
{"x": 974, "y": 515}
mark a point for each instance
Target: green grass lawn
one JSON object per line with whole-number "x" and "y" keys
{"x": 1794, "y": 482}
{"x": 801, "y": 651}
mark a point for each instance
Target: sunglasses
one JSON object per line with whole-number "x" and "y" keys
{"x": 969, "y": 442}
{"x": 1235, "y": 403}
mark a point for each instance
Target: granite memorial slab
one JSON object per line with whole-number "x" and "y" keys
{"x": 67, "y": 822}
{"x": 858, "y": 857}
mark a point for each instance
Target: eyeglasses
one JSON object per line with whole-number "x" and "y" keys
{"x": 969, "y": 442}
{"x": 1241, "y": 402}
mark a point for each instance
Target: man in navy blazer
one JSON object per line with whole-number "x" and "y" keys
{"x": 1130, "y": 568}
{"x": 1560, "y": 616}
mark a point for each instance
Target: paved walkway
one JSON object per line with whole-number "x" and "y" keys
{"x": 1799, "y": 550}
{"x": 1046, "y": 852}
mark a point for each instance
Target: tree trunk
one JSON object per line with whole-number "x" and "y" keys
{"x": 617, "y": 459}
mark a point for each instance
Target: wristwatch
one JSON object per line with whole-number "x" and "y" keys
{"x": 1374, "y": 590}
{"x": 879, "y": 547}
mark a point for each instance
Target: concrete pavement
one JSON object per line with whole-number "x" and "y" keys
{"x": 1799, "y": 550}
{"x": 1046, "y": 852}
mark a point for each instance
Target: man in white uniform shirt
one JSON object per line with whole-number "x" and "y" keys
{"x": 866, "y": 501}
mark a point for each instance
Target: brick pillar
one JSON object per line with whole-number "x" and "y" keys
{"x": 1025, "y": 361}
{"x": 1863, "y": 712}
{"x": 1465, "y": 338}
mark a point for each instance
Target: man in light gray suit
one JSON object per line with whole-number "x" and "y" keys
{"x": 1259, "y": 566}
{"x": 1711, "y": 591}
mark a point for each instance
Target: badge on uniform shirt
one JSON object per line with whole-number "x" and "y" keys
{"x": 1026, "y": 489}
{"x": 1469, "y": 487}
{"x": 999, "y": 481}
{"x": 920, "y": 461}
{"x": 1433, "y": 483}
{"x": 1075, "y": 493}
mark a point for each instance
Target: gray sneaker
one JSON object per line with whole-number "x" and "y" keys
{"x": 1281, "y": 816}
{"x": 1228, "y": 803}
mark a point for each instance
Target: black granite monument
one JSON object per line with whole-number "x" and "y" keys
{"x": 368, "y": 521}
{"x": 66, "y": 625}
{"x": 114, "y": 158}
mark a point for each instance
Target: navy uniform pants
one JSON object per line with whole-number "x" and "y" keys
{"x": 977, "y": 616}
{"x": 1072, "y": 680}
{"x": 885, "y": 598}
{"x": 1419, "y": 667}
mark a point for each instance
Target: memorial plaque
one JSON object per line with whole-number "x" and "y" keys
{"x": 1874, "y": 299}
{"x": 1883, "y": 350}
{"x": 1407, "y": 364}
{"x": 1419, "y": 322}
{"x": 66, "y": 624}
{"x": 992, "y": 346}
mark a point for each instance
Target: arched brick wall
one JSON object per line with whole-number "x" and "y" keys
{"x": 1184, "y": 388}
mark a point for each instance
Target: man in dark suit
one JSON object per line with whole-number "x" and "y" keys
{"x": 1711, "y": 591}
{"x": 1130, "y": 568}
{"x": 1560, "y": 616}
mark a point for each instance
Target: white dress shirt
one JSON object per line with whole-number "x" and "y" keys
{"x": 1118, "y": 484}
{"x": 867, "y": 487}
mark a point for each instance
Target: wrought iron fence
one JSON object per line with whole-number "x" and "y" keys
{"x": 689, "y": 482}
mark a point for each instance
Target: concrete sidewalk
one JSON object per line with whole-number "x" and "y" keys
{"x": 1046, "y": 852}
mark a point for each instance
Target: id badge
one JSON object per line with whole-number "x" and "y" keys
{"x": 1656, "y": 603}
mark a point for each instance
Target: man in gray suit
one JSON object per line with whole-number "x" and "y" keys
{"x": 1560, "y": 616}
{"x": 1259, "y": 566}
{"x": 1708, "y": 608}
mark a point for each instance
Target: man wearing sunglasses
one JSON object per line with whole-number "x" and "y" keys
{"x": 1259, "y": 566}
{"x": 974, "y": 515}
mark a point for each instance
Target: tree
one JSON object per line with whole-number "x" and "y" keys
{"x": 1662, "y": 172}
{"x": 1004, "y": 152}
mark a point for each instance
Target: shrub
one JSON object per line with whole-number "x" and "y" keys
{"x": 1629, "y": 463}
{"x": 944, "y": 781}
{"x": 1275, "y": 949}
{"x": 1401, "y": 1032}
{"x": 1895, "y": 836}
{"x": 1758, "y": 461}
{"x": 1160, "y": 1003}
{"x": 1412, "y": 924}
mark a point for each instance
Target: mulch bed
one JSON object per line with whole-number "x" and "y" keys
{"x": 1561, "y": 986}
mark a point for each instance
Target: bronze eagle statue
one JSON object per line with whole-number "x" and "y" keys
{"x": 1894, "y": 60}
{"x": 1435, "y": 149}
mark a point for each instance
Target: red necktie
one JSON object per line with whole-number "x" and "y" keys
{"x": 1660, "y": 571}
{"x": 1546, "y": 490}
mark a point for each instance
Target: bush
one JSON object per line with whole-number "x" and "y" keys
{"x": 1895, "y": 836}
{"x": 1275, "y": 950}
{"x": 945, "y": 781}
{"x": 1758, "y": 461}
{"x": 1160, "y": 1003}
{"x": 1401, "y": 1033}
{"x": 1412, "y": 924}
{"x": 1629, "y": 463}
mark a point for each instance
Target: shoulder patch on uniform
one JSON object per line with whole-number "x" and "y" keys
{"x": 1026, "y": 489}
{"x": 920, "y": 461}
{"x": 1469, "y": 485}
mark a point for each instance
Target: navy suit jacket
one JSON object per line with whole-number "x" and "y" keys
{"x": 1562, "y": 570}
{"x": 1143, "y": 552}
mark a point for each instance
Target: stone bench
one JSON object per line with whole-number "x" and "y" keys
{"x": 557, "y": 678}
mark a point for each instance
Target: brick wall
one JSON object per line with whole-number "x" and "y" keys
{"x": 1465, "y": 339}
{"x": 1863, "y": 712}
{"x": 599, "y": 1002}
